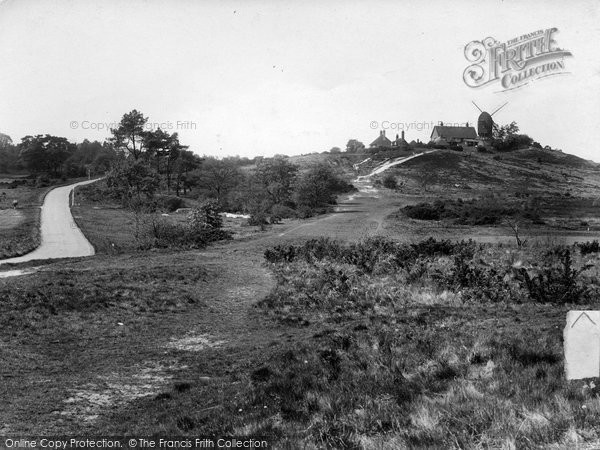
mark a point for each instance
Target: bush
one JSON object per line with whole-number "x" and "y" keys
{"x": 557, "y": 281}
{"x": 366, "y": 254}
{"x": 422, "y": 211}
{"x": 476, "y": 280}
{"x": 317, "y": 188}
{"x": 204, "y": 225}
{"x": 389, "y": 181}
{"x": 279, "y": 212}
{"x": 206, "y": 216}
{"x": 589, "y": 247}
{"x": 42, "y": 181}
{"x": 94, "y": 192}
{"x": 169, "y": 203}
{"x": 473, "y": 212}
{"x": 163, "y": 234}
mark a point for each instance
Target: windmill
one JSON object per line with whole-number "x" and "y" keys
{"x": 485, "y": 123}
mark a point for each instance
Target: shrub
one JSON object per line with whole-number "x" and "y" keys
{"x": 422, "y": 211}
{"x": 280, "y": 211}
{"x": 474, "y": 212}
{"x": 42, "y": 181}
{"x": 557, "y": 281}
{"x": 164, "y": 234}
{"x": 206, "y": 216}
{"x": 589, "y": 247}
{"x": 366, "y": 254}
{"x": 169, "y": 203}
{"x": 476, "y": 280}
{"x": 389, "y": 182}
{"x": 203, "y": 227}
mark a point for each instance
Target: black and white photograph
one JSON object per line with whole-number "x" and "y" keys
{"x": 293, "y": 224}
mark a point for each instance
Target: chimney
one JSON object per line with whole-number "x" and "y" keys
{"x": 381, "y": 133}
{"x": 467, "y": 124}
{"x": 397, "y": 135}
{"x": 441, "y": 123}
{"x": 402, "y": 135}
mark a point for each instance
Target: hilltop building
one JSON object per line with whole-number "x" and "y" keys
{"x": 381, "y": 141}
{"x": 400, "y": 142}
{"x": 465, "y": 136}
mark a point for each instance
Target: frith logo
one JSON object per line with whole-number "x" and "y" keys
{"x": 516, "y": 62}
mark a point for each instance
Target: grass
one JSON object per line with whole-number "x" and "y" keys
{"x": 524, "y": 171}
{"x": 409, "y": 361}
{"x": 386, "y": 350}
{"x": 110, "y": 329}
{"x": 19, "y": 227}
{"x": 113, "y": 229}
{"x": 371, "y": 344}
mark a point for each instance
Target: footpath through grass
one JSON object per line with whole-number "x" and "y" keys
{"x": 430, "y": 345}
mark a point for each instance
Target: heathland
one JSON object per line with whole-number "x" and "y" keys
{"x": 423, "y": 309}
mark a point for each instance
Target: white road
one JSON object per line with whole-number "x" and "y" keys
{"x": 60, "y": 236}
{"x": 385, "y": 166}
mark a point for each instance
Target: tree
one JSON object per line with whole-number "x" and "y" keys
{"x": 187, "y": 162}
{"x": 132, "y": 182}
{"x": 5, "y": 141}
{"x": 162, "y": 145}
{"x": 105, "y": 159}
{"x": 129, "y": 136}
{"x": 354, "y": 146}
{"x": 277, "y": 176}
{"x": 501, "y": 132}
{"x": 318, "y": 188}
{"x": 515, "y": 224}
{"x": 45, "y": 153}
{"x": 9, "y": 159}
{"x": 335, "y": 150}
{"x": 218, "y": 177}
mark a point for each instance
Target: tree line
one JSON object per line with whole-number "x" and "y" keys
{"x": 154, "y": 167}
{"x": 50, "y": 156}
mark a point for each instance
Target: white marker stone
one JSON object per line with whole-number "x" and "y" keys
{"x": 582, "y": 345}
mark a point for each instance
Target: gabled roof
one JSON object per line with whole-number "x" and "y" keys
{"x": 381, "y": 141}
{"x": 455, "y": 132}
{"x": 400, "y": 143}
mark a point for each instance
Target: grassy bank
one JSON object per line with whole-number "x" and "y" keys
{"x": 20, "y": 228}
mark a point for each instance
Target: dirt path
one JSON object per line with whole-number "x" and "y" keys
{"x": 107, "y": 363}
{"x": 60, "y": 236}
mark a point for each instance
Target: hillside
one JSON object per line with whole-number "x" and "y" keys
{"x": 522, "y": 171}
{"x": 342, "y": 162}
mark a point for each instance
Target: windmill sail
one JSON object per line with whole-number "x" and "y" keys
{"x": 485, "y": 123}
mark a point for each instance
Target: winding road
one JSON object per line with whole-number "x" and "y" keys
{"x": 60, "y": 236}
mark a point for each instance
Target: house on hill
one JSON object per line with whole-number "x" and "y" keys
{"x": 381, "y": 141}
{"x": 464, "y": 136}
{"x": 400, "y": 143}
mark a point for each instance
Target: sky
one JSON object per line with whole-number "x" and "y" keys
{"x": 259, "y": 77}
